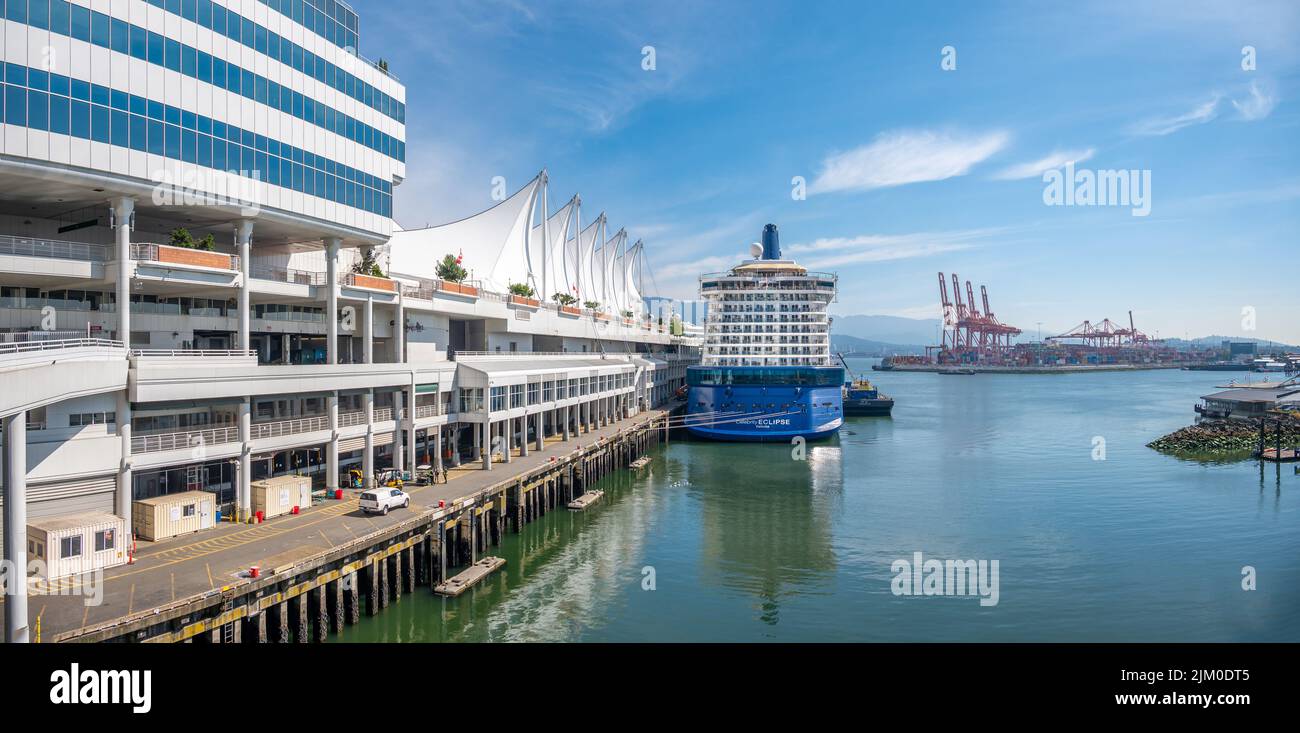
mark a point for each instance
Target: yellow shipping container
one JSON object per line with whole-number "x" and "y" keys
{"x": 173, "y": 514}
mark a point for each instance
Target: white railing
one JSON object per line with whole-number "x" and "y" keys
{"x": 347, "y": 419}
{"x": 182, "y": 440}
{"x": 50, "y": 345}
{"x": 35, "y": 247}
{"x": 193, "y": 352}
{"x": 281, "y": 428}
{"x": 383, "y": 414}
{"x": 289, "y": 275}
{"x": 426, "y": 411}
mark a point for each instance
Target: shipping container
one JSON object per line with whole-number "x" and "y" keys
{"x": 280, "y": 494}
{"x": 170, "y": 515}
{"x": 76, "y": 543}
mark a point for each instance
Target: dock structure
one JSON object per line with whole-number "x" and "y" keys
{"x": 469, "y": 577}
{"x": 326, "y": 568}
{"x": 586, "y": 500}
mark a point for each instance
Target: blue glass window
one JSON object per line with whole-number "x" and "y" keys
{"x": 58, "y": 114}
{"x": 120, "y": 129}
{"x": 157, "y": 138}
{"x": 139, "y": 133}
{"x": 81, "y": 120}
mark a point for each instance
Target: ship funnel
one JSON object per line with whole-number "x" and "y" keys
{"x": 771, "y": 243}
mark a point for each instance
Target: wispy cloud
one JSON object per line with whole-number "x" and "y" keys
{"x": 1258, "y": 105}
{"x": 1035, "y": 168}
{"x": 906, "y": 156}
{"x": 1200, "y": 114}
{"x": 839, "y": 251}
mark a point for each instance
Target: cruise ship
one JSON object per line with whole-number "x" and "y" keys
{"x": 766, "y": 371}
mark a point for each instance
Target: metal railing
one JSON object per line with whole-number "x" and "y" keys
{"x": 356, "y": 417}
{"x": 193, "y": 352}
{"x": 289, "y": 275}
{"x": 426, "y": 411}
{"x": 51, "y": 345}
{"x": 53, "y": 248}
{"x": 296, "y": 426}
{"x": 383, "y": 414}
{"x": 189, "y": 439}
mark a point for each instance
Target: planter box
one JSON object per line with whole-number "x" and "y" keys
{"x": 524, "y": 301}
{"x": 373, "y": 283}
{"x": 193, "y": 257}
{"x": 569, "y": 310}
{"x": 600, "y": 316}
{"x": 468, "y": 291}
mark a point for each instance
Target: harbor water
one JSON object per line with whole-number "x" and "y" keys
{"x": 1097, "y": 538}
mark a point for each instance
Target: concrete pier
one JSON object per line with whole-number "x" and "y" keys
{"x": 324, "y": 568}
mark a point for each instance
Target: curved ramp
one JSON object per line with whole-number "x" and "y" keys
{"x": 41, "y": 373}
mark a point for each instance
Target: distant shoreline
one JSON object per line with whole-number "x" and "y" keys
{"x": 1030, "y": 369}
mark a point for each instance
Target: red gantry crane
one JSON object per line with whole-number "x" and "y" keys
{"x": 969, "y": 334}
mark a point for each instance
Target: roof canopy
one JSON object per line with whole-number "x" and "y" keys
{"x": 516, "y": 242}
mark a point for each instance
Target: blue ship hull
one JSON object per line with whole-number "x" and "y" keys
{"x": 764, "y": 403}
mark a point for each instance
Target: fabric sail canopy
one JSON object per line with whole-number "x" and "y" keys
{"x": 494, "y": 243}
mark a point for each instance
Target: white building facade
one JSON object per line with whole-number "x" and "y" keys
{"x": 139, "y": 361}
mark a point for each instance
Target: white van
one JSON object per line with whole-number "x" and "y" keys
{"x": 379, "y": 501}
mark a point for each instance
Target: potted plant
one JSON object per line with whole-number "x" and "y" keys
{"x": 453, "y": 274}
{"x": 450, "y": 270}
{"x": 522, "y": 294}
{"x": 181, "y": 237}
{"x": 566, "y": 302}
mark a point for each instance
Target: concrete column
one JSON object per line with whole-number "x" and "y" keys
{"x": 15, "y": 512}
{"x": 413, "y": 458}
{"x": 368, "y": 455}
{"x": 399, "y": 419}
{"x": 485, "y": 445}
{"x": 541, "y": 443}
{"x": 244, "y": 506}
{"x": 523, "y": 435}
{"x": 507, "y": 437}
{"x": 399, "y": 331}
{"x": 564, "y": 421}
{"x": 123, "y": 208}
{"x": 437, "y": 447}
{"x": 368, "y": 328}
{"x": 332, "y": 300}
{"x": 332, "y": 448}
{"x": 244, "y": 243}
{"x": 124, "y": 481}
{"x": 477, "y": 434}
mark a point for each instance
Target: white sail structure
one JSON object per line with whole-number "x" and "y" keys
{"x": 610, "y": 257}
{"x": 546, "y": 258}
{"x": 631, "y": 275}
{"x": 586, "y": 268}
{"x": 495, "y": 243}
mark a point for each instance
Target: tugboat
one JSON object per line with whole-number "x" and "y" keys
{"x": 861, "y": 398}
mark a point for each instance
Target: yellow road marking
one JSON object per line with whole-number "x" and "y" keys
{"x": 211, "y": 584}
{"x": 130, "y": 600}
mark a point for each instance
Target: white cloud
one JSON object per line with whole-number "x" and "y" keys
{"x": 1035, "y": 168}
{"x": 1258, "y": 106}
{"x": 1202, "y": 113}
{"x": 906, "y": 156}
{"x": 839, "y": 251}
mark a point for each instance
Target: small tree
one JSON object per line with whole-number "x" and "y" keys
{"x": 521, "y": 289}
{"x": 181, "y": 237}
{"x": 450, "y": 270}
{"x": 368, "y": 264}
{"x": 564, "y": 299}
{"x": 628, "y": 314}
{"x": 591, "y": 304}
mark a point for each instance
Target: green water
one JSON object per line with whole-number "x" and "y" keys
{"x": 748, "y": 544}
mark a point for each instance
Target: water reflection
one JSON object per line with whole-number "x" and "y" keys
{"x": 768, "y": 519}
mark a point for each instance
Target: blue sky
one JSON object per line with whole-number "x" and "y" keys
{"x": 911, "y": 169}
